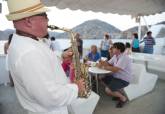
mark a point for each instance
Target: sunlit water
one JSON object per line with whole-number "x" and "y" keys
{"x": 64, "y": 43}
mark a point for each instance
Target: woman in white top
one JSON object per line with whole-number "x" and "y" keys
{"x": 105, "y": 45}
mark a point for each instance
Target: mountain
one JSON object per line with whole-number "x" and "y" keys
{"x": 92, "y": 29}
{"x": 163, "y": 22}
{"x": 52, "y": 33}
{"x": 9, "y": 31}
{"x": 130, "y": 31}
{"x": 5, "y": 34}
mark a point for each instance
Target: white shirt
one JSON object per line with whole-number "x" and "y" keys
{"x": 123, "y": 62}
{"x": 40, "y": 82}
{"x": 105, "y": 44}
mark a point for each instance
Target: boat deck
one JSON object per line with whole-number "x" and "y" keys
{"x": 151, "y": 103}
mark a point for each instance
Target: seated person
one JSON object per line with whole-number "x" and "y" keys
{"x": 93, "y": 55}
{"x": 110, "y": 53}
{"x": 120, "y": 65}
{"x": 128, "y": 49}
{"x": 66, "y": 62}
{"x": 67, "y": 65}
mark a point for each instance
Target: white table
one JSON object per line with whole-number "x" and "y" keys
{"x": 97, "y": 71}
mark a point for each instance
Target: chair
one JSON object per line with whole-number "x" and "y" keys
{"x": 141, "y": 83}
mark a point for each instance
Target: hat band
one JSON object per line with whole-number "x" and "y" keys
{"x": 32, "y": 8}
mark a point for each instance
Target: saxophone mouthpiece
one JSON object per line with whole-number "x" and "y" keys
{"x": 52, "y": 27}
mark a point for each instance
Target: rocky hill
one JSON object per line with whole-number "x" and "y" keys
{"x": 5, "y": 34}
{"x": 92, "y": 29}
{"x": 130, "y": 31}
{"x": 163, "y": 22}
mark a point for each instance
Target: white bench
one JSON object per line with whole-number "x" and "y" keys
{"x": 152, "y": 62}
{"x": 84, "y": 106}
{"x": 158, "y": 67}
{"x": 142, "y": 82}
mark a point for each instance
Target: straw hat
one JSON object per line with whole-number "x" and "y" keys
{"x": 19, "y": 9}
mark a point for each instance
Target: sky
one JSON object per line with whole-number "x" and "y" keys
{"x": 69, "y": 19}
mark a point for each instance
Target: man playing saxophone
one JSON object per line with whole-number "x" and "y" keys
{"x": 40, "y": 82}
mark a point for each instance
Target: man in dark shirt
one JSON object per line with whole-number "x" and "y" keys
{"x": 79, "y": 44}
{"x": 149, "y": 42}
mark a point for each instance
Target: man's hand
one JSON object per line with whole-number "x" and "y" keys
{"x": 102, "y": 64}
{"x": 81, "y": 85}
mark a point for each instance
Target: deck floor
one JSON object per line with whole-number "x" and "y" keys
{"x": 151, "y": 103}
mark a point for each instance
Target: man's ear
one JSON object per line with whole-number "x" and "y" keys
{"x": 28, "y": 22}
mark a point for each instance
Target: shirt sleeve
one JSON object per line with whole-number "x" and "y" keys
{"x": 99, "y": 56}
{"x": 122, "y": 63}
{"x": 39, "y": 81}
{"x": 88, "y": 55}
{"x": 112, "y": 60}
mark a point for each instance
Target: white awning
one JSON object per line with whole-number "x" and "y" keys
{"x": 126, "y": 7}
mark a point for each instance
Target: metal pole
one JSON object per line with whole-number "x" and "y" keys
{"x": 139, "y": 28}
{"x": 146, "y": 23}
{"x": 0, "y": 7}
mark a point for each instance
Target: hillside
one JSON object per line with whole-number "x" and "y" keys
{"x": 163, "y": 22}
{"x": 135, "y": 30}
{"x": 92, "y": 29}
{"x": 4, "y": 34}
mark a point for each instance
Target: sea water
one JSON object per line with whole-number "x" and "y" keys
{"x": 159, "y": 48}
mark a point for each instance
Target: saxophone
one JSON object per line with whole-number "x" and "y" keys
{"x": 80, "y": 69}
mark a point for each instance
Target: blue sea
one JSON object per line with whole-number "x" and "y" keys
{"x": 88, "y": 42}
{"x": 64, "y": 43}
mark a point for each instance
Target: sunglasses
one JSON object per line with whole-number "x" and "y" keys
{"x": 42, "y": 14}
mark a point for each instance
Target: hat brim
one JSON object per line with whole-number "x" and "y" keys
{"x": 12, "y": 17}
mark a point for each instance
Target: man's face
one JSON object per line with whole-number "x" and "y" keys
{"x": 39, "y": 24}
{"x": 150, "y": 35}
{"x": 116, "y": 51}
{"x": 93, "y": 49}
{"x": 77, "y": 36}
